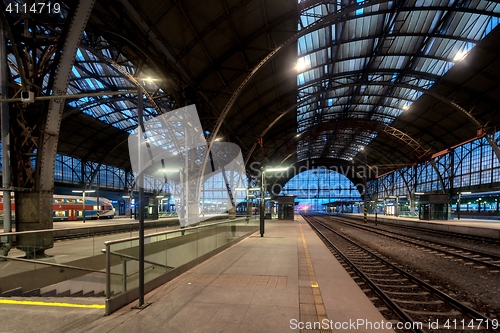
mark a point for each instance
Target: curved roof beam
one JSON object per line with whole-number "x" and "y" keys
{"x": 327, "y": 20}
{"x": 341, "y": 17}
{"x": 423, "y": 90}
{"x": 125, "y": 73}
{"x": 366, "y": 125}
{"x": 349, "y": 75}
{"x": 377, "y": 83}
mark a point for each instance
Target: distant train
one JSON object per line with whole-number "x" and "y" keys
{"x": 71, "y": 208}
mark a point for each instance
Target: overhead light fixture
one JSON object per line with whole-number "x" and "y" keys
{"x": 169, "y": 170}
{"x": 148, "y": 79}
{"x": 301, "y": 65}
{"x": 406, "y": 107}
{"x": 459, "y": 56}
{"x": 276, "y": 169}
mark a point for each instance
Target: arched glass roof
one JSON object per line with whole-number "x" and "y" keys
{"x": 316, "y": 188}
{"x": 363, "y": 64}
{"x": 108, "y": 70}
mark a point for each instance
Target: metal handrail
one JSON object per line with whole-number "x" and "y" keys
{"x": 137, "y": 259}
{"x": 14, "y": 233}
{"x": 54, "y": 264}
{"x": 117, "y": 241}
{"x": 112, "y": 242}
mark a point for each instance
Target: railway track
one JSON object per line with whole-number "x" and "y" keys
{"x": 438, "y": 232}
{"x": 416, "y": 303}
{"x": 479, "y": 258}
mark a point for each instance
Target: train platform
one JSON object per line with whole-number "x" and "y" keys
{"x": 119, "y": 220}
{"x": 468, "y": 226}
{"x": 285, "y": 281}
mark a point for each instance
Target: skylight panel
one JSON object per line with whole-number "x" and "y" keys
{"x": 360, "y": 11}
{"x": 90, "y": 84}
{"x": 312, "y": 15}
{"x": 79, "y": 55}
{"x": 75, "y": 72}
{"x": 418, "y": 46}
{"x": 492, "y": 23}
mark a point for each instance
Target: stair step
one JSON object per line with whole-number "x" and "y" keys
{"x": 77, "y": 294}
{"x": 89, "y": 294}
{"x": 32, "y": 293}
{"x": 100, "y": 294}
{"x": 65, "y": 293}
{"x": 13, "y": 292}
{"x": 50, "y": 293}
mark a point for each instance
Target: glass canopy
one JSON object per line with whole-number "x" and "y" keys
{"x": 368, "y": 61}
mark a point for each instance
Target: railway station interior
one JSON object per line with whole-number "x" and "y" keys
{"x": 209, "y": 166}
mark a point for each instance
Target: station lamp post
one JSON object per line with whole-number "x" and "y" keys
{"x": 365, "y": 183}
{"x": 263, "y": 187}
{"x": 248, "y": 213}
{"x": 83, "y": 195}
{"x": 128, "y": 204}
{"x": 159, "y": 204}
{"x": 317, "y": 198}
{"x": 459, "y": 202}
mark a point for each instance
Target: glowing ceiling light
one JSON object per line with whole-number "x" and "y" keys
{"x": 301, "y": 65}
{"x": 148, "y": 79}
{"x": 459, "y": 56}
{"x": 406, "y": 107}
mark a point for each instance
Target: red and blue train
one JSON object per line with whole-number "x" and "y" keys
{"x": 72, "y": 208}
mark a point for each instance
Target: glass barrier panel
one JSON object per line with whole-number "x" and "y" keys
{"x": 35, "y": 277}
{"x": 164, "y": 252}
{"x": 207, "y": 240}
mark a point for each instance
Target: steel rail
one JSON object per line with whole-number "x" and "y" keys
{"x": 477, "y": 261}
{"x": 446, "y": 233}
{"x": 395, "y": 307}
{"x": 452, "y": 301}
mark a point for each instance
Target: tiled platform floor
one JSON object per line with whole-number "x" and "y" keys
{"x": 271, "y": 284}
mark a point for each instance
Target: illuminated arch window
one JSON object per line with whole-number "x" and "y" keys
{"x": 315, "y": 189}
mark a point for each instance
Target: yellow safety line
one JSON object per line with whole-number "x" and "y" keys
{"x": 318, "y": 300}
{"x": 68, "y": 305}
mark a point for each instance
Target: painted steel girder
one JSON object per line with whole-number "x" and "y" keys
{"x": 35, "y": 207}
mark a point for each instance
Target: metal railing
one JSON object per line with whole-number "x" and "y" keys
{"x": 163, "y": 253}
{"x": 63, "y": 260}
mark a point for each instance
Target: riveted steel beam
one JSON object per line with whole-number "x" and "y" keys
{"x": 39, "y": 215}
